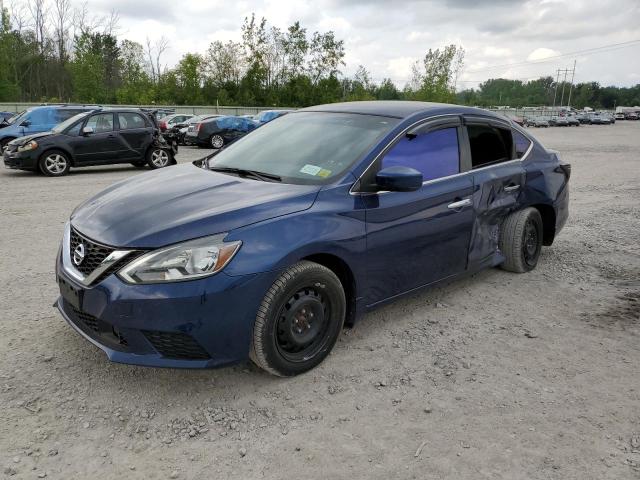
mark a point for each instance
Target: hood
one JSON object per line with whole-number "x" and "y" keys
{"x": 28, "y": 138}
{"x": 182, "y": 202}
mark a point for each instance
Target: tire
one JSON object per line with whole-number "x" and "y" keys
{"x": 54, "y": 163}
{"x": 158, "y": 158}
{"x": 216, "y": 141}
{"x": 299, "y": 320}
{"x": 521, "y": 240}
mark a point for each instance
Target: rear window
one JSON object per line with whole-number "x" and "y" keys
{"x": 489, "y": 145}
{"x": 522, "y": 143}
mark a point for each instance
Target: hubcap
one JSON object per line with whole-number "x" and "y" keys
{"x": 217, "y": 141}
{"x": 302, "y": 325}
{"x": 55, "y": 163}
{"x": 530, "y": 245}
{"x": 160, "y": 158}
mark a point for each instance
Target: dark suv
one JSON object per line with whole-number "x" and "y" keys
{"x": 99, "y": 137}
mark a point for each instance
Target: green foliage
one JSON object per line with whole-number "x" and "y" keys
{"x": 435, "y": 79}
{"x": 516, "y": 93}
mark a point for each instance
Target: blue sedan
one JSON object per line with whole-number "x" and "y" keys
{"x": 266, "y": 249}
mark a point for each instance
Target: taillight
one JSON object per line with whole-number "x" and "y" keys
{"x": 163, "y": 125}
{"x": 198, "y": 125}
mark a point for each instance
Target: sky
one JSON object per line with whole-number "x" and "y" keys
{"x": 388, "y": 36}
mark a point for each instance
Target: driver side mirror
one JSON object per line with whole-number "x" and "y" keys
{"x": 399, "y": 179}
{"x": 87, "y": 131}
{"x": 25, "y": 123}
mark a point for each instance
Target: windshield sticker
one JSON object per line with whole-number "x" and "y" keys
{"x": 310, "y": 169}
{"x": 324, "y": 173}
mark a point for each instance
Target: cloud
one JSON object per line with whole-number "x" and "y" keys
{"x": 387, "y": 37}
{"x": 542, "y": 53}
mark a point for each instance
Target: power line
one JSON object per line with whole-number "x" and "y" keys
{"x": 602, "y": 49}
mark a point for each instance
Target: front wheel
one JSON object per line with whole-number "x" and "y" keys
{"x": 54, "y": 163}
{"x": 158, "y": 158}
{"x": 521, "y": 240}
{"x": 299, "y": 320}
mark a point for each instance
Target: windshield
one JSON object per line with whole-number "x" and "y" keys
{"x": 306, "y": 147}
{"x": 61, "y": 127}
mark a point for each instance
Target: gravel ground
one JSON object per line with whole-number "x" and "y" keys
{"x": 499, "y": 375}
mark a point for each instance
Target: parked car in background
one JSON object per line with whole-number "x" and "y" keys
{"x": 631, "y": 116}
{"x": 39, "y": 119}
{"x": 221, "y": 131}
{"x": 267, "y": 115}
{"x": 191, "y": 133}
{"x": 620, "y": 116}
{"x": 5, "y": 116}
{"x": 160, "y": 113}
{"x": 583, "y": 118}
{"x": 101, "y": 137}
{"x": 303, "y": 226}
{"x": 168, "y": 122}
{"x": 557, "y": 121}
{"x": 598, "y": 119}
{"x": 573, "y": 121}
{"x": 536, "y": 122}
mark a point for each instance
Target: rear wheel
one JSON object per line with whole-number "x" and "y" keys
{"x": 217, "y": 141}
{"x": 521, "y": 240}
{"x": 54, "y": 163}
{"x": 299, "y": 320}
{"x": 158, "y": 158}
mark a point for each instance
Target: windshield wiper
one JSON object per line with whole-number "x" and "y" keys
{"x": 265, "y": 177}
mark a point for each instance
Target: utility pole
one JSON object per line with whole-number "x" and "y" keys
{"x": 573, "y": 73}
{"x": 564, "y": 82}
{"x": 555, "y": 92}
{"x": 565, "y": 71}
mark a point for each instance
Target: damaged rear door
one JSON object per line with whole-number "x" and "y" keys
{"x": 498, "y": 180}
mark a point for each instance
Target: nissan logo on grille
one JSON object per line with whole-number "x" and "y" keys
{"x": 78, "y": 254}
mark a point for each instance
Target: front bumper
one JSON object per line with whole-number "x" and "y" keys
{"x": 196, "y": 324}
{"x": 21, "y": 160}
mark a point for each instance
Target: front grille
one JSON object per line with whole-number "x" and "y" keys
{"x": 94, "y": 253}
{"x": 176, "y": 345}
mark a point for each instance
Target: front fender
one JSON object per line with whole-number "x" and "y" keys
{"x": 334, "y": 225}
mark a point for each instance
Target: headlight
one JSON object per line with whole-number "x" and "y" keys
{"x": 185, "y": 261}
{"x": 32, "y": 145}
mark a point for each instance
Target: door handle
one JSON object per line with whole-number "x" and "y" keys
{"x": 459, "y": 204}
{"x": 511, "y": 188}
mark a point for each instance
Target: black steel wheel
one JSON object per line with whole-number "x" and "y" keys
{"x": 299, "y": 320}
{"x": 521, "y": 240}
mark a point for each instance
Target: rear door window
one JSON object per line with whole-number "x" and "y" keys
{"x": 435, "y": 154}
{"x": 489, "y": 145}
{"x": 130, "y": 120}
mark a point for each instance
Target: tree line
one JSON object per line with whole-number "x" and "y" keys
{"x": 53, "y": 52}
